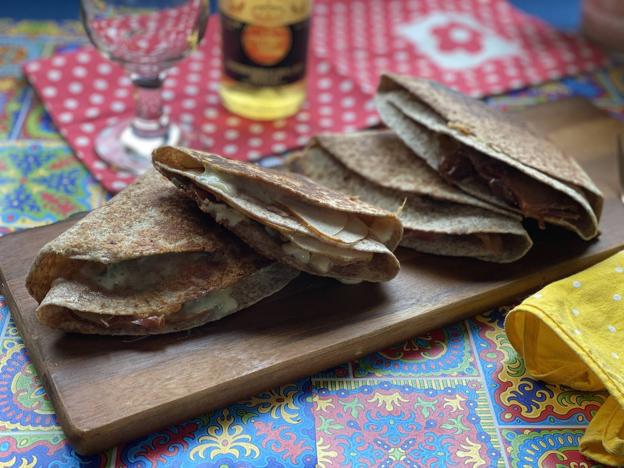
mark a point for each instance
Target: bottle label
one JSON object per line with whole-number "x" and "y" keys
{"x": 265, "y": 42}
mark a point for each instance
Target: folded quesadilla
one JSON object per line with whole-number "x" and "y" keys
{"x": 437, "y": 218}
{"x": 148, "y": 262}
{"x": 288, "y": 217}
{"x": 489, "y": 155}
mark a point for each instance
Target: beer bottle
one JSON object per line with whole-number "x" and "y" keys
{"x": 265, "y": 45}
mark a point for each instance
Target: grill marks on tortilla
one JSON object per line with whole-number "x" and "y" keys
{"x": 472, "y": 117}
{"x": 132, "y": 265}
{"x": 58, "y": 307}
{"x": 354, "y": 265}
{"x": 381, "y": 157}
{"x": 265, "y": 205}
{"x": 432, "y": 223}
{"x": 491, "y": 156}
{"x": 316, "y": 229}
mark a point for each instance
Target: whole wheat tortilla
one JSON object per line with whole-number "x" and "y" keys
{"x": 437, "y": 218}
{"x": 425, "y": 115}
{"x": 184, "y": 166}
{"x": 147, "y": 222}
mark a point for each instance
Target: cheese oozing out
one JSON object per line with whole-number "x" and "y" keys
{"x": 219, "y": 303}
{"x": 139, "y": 274}
{"x": 222, "y": 213}
{"x": 335, "y": 226}
{"x": 212, "y": 305}
{"x": 147, "y": 273}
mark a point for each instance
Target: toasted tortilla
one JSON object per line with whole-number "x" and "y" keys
{"x": 147, "y": 262}
{"x": 437, "y": 123}
{"x": 437, "y": 218}
{"x": 288, "y": 217}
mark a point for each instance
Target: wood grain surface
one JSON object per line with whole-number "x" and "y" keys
{"x": 110, "y": 390}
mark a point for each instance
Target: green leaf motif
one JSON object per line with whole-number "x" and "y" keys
{"x": 327, "y": 425}
{"x": 245, "y": 415}
{"x": 352, "y": 406}
{"x": 426, "y": 407}
{"x": 456, "y": 425}
{"x": 572, "y": 397}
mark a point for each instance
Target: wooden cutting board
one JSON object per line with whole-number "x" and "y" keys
{"x": 110, "y": 390}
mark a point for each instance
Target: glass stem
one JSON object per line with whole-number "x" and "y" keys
{"x": 150, "y": 120}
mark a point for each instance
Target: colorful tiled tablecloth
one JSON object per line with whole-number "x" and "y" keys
{"x": 457, "y": 396}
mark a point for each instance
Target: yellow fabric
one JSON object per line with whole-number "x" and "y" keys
{"x": 604, "y": 438}
{"x": 572, "y": 333}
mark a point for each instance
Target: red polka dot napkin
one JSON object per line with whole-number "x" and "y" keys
{"x": 476, "y": 46}
{"x": 84, "y": 93}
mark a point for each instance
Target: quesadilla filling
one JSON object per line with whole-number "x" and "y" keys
{"x": 316, "y": 237}
{"x": 140, "y": 277}
{"x": 217, "y": 304}
{"x": 533, "y": 198}
{"x": 491, "y": 243}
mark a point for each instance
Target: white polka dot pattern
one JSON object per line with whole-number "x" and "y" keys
{"x": 84, "y": 93}
{"x": 358, "y": 40}
{"x": 479, "y": 47}
{"x": 585, "y": 316}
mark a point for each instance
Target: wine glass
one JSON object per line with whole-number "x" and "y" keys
{"x": 146, "y": 37}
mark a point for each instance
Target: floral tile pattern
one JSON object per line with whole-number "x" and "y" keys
{"x": 546, "y": 448}
{"x": 274, "y": 428}
{"x": 5, "y": 317}
{"x": 36, "y": 123}
{"x": 434, "y": 423}
{"x": 440, "y": 352}
{"x": 41, "y": 183}
{"x": 24, "y": 405}
{"x": 15, "y": 50}
{"x": 457, "y": 396}
{"x": 22, "y": 449}
{"x": 10, "y": 330}
{"x": 13, "y": 94}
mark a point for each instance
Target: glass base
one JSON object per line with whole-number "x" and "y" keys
{"x": 120, "y": 147}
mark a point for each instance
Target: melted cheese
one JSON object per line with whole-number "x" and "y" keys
{"x": 317, "y": 261}
{"x": 223, "y": 213}
{"x": 318, "y": 255}
{"x": 329, "y": 250}
{"x": 349, "y": 280}
{"x": 216, "y": 181}
{"x": 299, "y": 254}
{"x": 381, "y": 230}
{"x": 324, "y": 222}
{"x": 333, "y": 224}
{"x": 355, "y": 230}
{"x": 220, "y": 303}
{"x": 140, "y": 273}
{"x": 320, "y": 263}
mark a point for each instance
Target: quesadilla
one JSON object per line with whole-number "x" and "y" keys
{"x": 437, "y": 218}
{"x": 148, "y": 262}
{"x": 288, "y": 217}
{"x": 489, "y": 155}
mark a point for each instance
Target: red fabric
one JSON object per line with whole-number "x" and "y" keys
{"x": 83, "y": 92}
{"x": 477, "y": 46}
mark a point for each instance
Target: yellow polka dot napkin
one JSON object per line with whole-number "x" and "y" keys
{"x": 572, "y": 333}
